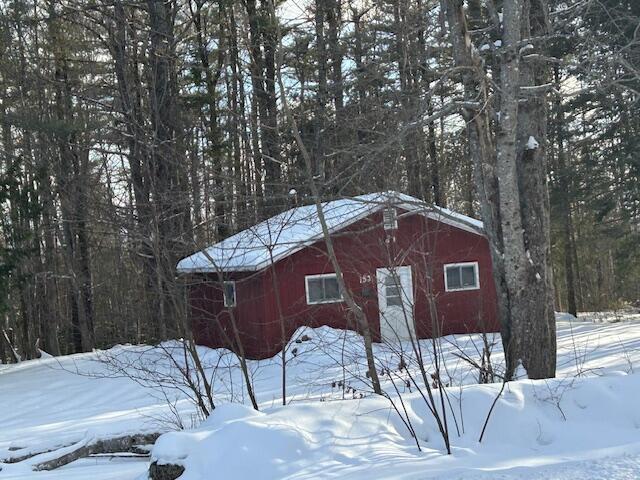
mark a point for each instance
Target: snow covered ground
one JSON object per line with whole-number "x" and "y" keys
{"x": 585, "y": 424}
{"x": 534, "y": 424}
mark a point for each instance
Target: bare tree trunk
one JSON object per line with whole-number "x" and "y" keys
{"x": 237, "y": 122}
{"x": 482, "y": 150}
{"x": 513, "y": 195}
{"x": 4, "y": 358}
{"x": 261, "y": 39}
{"x": 565, "y": 206}
{"x": 49, "y": 316}
{"x": 211, "y": 79}
{"x": 129, "y": 87}
{"x": 271, "y": 137}
{"x": 70, "y": 179}
{"x": 538, "y": 327}
{"x": 514, "y": 250}
{"x": 335, "y": 51}
{"x": 6, "y": 337}
{"x": 319, "y": 116}
{"x": 84, "y": 260}
{"x": 170, "y": 201}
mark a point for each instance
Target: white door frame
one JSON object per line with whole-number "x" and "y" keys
{"x": 396, "y": 321}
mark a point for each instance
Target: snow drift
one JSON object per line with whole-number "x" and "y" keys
{"x": 533, "y": 423}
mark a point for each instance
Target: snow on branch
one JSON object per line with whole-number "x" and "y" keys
{"x": 534, "y": 90}
{"x": 532, "y": 143}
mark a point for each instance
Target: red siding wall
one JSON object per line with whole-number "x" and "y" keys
{"x": 423, "y": 244}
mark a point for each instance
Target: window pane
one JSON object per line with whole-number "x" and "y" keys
{"x": 229, "y": 294}
{"x": 390, "y": 280}
{"x": 394, "y": 301}
{"x": 453, "y": 277}
{"x": 468, "y": 276}
{"x": 315, "y": 289}
{"x": 393, "y": 291}
{"x": 331, "y": 290}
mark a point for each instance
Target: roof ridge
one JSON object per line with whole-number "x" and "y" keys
{"x": 289, "y": 231}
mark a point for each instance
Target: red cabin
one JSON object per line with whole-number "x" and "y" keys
{"x": 414, "y": 268}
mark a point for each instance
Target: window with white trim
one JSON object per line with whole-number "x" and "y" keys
{"x": 461, "y": 276}
{"x": 322, "y": 288}
{"x": 393, "y": 291}
{"x": 390, "y": 218}
{"x": 229, "y": 294}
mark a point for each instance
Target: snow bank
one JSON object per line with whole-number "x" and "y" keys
{"x": 534, "y": 423}
{"x": 628, "y": 314}
{"x": 565, "y": 317}
{"x": 311, "y": 437}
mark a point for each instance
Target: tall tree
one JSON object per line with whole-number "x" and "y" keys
{"x": 510, "y": 163}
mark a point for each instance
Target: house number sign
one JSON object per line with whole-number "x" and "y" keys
{"x": 366, "y": 278}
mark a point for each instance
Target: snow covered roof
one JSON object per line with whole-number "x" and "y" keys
{"x": 286, "y": 233}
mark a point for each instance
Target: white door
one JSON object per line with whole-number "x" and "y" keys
{"x": 395, "y": 302}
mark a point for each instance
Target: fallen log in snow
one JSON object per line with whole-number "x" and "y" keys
{"x": 89, "y": 446}
{"x": 24, "y": 453}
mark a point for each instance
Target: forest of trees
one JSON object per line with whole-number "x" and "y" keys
{"x": 135, "y": 132}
